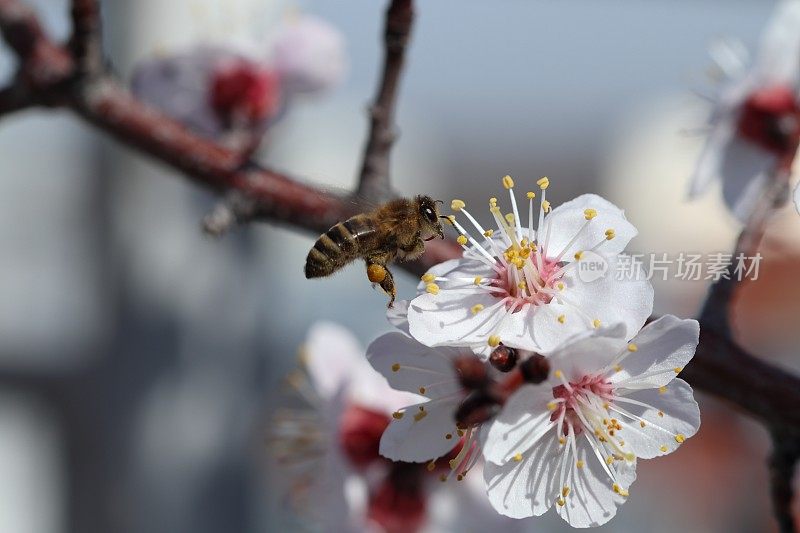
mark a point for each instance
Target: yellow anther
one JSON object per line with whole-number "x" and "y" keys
{"x": 521, "y": 285}
{"x": 477, "y": 280}
{"x": 609, "y": 460}
{"x": 562, "y": 318}
{"x": 517, "y": 458}
{"x": 580, "y": 463}
{"x": 545, "y": 206}
{"x": 664, "y": 448}
{"x": 462, "y": 240}
{"x": 510, "y": 218}
{"x": 562, "y": 440}
{"x": 578, "y": 256}
{"x": 619, "y": 490}
{"x": 629, "y": 456}
{"x": 632, "y": 347}
{"x": 427, "y": 278}
{"x": 618, "y": 368}
{"x": 661, "y": 413}
{"x": 460, "y": 432}
{"x": 493, "y": 341}
{"x": 451, "y": 219}
{"x": 551, "y": 406}
{"x": 662, "y": 389}
{"x": 560, "y": 285}
{"x": 677, "y": 369}
{"x": 460, "y": 477}
{"x": 492, "y": 201}
{"x": 396, "y": 367}
{"x": 443, "y": 478}
{"x": 590, "y": 213}
{"x": 642, "y": 424}
{"x": 565, "y": 491}
{"x": 680, "y": 437}
{"x": 596, "y": 323}
{"x": 431, "y": 466}
{"x": 508, "y": 182}
{"x": 488, "y": 233}
{"x": 422, "y": 390}
{"x": 432, "y": 288}
{"x": 610, "y": 234}
{"x": 453, "y": 463}
{"x": 558, "y": 373}
{"x": 397, "y": 415}
{"x": 457, "y": 205}
{"x": 543, "y": 183}
{"x": 531, "y": 195}
{"x": 419, "y": 416}
{"x": 560, "y": 502}
{"x": 477, "y": 308}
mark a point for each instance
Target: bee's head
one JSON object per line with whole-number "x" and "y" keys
{"x": 429, "y": 214}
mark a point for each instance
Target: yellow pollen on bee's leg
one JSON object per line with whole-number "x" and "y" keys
{"x": 578, "y": 256}
{"x": 531, "y": 195}
{"x": 610, "y": 234}
{"x": 543, "y": 182}
{"x": 432, "y": 288}
{"x": 579, "y": 463}
{"x": 493, "y": 341}
{"x": 517, "y": 458}
{"x": 457, "y": 205}
{"x": 397, "y": 415}
{"x": 508, "y": 181}
{"x": 663, "y": 448}
{"x": 477, "y": 308}
{"x": 679, "y": 438}
{"x": 562, "y": 318}
{"x": 376, "y": 273}
{"x": 596, "y": 323}
{"x": 427, "y": 278}
{"x": 589, "y": 214}
{"x": 396, "y": 367}
{"x": 488, "y": 233}
{"x": 632, "y": 347}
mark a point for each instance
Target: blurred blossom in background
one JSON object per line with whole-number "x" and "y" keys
{"x": 141, "y": 361}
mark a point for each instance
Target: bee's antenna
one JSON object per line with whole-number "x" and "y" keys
{"x": 438, "y": 202}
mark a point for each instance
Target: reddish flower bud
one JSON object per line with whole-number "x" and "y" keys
{"x": 398, "y": 504}
{"x": 244, "y": 89}
{"x": 535, "y": 368}
{"x": 769, "y": 118}
{"x": 504, "y": 358}
{"x": 478, "y": 407}
{"x": 471, "y": 371}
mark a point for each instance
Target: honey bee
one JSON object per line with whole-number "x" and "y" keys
{"x": 397, "y": 230}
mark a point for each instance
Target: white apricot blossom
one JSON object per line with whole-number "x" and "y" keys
{"x": 532, "y": 288}
{"x": 755, "y": 116}
{"x": 573, "y": 441}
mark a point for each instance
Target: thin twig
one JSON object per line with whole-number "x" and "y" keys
{"x": 86, "y": 40}
{"x": 374, "y": 183}
{"x": 782, "y": 465}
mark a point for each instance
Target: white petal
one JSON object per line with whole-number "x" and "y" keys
{"x": 523, "y": 420}
{"x": 611, "y": 300}
{"x": 529, "y": 487}
{"x": 681, "y": 419}
{"x": 588, "y": 353}
{"x": 410, "y": 366}
{"x": 568, "y": 219}
{"x": 778, "y": 60}
{"x": 796, "y": 198}
{"x": 709, "y": 164}
{"x": 663, "y": 346}
{"x": 745, "y": 168}
{"x": 416, "y": 438}
{"x": 462, "y": 266}
{"x": 397, "y": 316}
{"x": 591, "y": 500}
{"x": 331, "y": 353}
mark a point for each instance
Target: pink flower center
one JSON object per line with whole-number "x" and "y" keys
{"x": 575, "y": 397}
{"x": 519, "y": 287}
{"x": 769, "y": 119}
{"x": 245, "y": 90}
{"x": 360, "y": 431}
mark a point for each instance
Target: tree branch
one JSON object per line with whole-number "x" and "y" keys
{"x": 374, "y": 184}
{"x": 86, "y": 40}
{"x": 782, "y": 465}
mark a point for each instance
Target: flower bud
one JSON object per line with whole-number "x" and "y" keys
{"x": 535, "y": 368}
{"x": 471, "y": 372}
{"x": 504, "y": 358}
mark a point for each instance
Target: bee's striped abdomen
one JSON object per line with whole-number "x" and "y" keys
{"x": 338, "y": 246}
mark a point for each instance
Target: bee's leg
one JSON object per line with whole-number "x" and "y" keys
{"x": 377, "y": 272}
{"x": 412, "y": 250}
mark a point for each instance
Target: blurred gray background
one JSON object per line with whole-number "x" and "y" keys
{"x": 139, "y": 359}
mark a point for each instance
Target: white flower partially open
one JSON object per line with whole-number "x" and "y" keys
{"x": 573, "y": 441}
{"x": 532, "y": 289}
{"x": 755, "y": 116}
